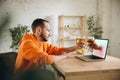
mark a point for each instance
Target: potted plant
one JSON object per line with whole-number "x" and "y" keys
{"x": 94, "y": 29}
{"x": 16, "y": 34}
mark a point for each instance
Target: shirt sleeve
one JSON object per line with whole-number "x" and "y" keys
{"x": 35, "y": 54}
{"x": 53, "y": 50}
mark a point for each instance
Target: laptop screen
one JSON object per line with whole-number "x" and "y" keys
{"x": 104, "y": 44}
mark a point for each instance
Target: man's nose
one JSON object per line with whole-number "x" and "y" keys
{"x": 50, "y": 34}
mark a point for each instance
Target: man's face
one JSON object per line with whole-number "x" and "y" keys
{"x": 45, "y": 34}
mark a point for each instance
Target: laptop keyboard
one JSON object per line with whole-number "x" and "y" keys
{"x": 93, "y": 57}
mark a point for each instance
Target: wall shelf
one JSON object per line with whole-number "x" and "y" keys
{"x": 71, "y": 26}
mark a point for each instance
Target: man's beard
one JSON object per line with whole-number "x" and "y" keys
{"x": 43, "y": 37}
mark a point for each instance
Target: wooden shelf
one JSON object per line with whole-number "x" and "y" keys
{"x": 71, "y": 24}
{"x": 71, "y": 27}
{"x": 70, "y": 16}
{"x": 67, "y": 39}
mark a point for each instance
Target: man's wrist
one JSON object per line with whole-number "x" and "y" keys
{"x": 77, "y": 47}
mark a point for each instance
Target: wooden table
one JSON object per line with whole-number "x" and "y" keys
{"x": 76, "y": 69}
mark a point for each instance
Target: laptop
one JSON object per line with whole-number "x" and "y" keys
{"x": 96, "y": 55}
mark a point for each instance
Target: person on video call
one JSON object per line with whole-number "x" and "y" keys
{"x": 34, "y": 51}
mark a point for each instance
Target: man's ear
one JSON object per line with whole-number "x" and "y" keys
{"x": 39, "y": 30}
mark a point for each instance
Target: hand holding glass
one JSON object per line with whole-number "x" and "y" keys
{"x": 88, "y": 43}
{"x": 80, "y": 41}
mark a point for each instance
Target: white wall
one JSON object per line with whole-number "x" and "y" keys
{"x": 25, "y": 11}
{"x": 115, "y": 28}
{"x": 104, "y": 18}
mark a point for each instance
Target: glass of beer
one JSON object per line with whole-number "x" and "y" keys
{"x": 80, "y": 40}
{"x": 86, "y": 41}
{"x": 90, "y": 42}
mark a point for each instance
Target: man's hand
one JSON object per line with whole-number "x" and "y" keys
{"x": 80, "y": 42}
{"x": 80, "y": 45}
{"x": 93, "y": 45}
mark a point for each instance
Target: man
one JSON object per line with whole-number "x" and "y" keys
{"x": 34, "y": 51}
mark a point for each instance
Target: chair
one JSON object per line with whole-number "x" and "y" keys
{"x": 7, "y": 62}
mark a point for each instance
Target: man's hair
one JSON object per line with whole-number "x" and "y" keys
{"x": 38, "y": 22}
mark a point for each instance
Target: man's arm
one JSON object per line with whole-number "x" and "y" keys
{"x": 93, "y": 45}
{"x": 70, "y": 49}
{"x": 53, "y": 50}
{"x": 34, "y": 54}
{"x": 73, "y": 48}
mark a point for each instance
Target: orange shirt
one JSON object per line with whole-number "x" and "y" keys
{"x": 31, "y": 53}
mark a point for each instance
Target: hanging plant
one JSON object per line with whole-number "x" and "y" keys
{"x": 16, "y": 34}
{"x": 94, "y": 29}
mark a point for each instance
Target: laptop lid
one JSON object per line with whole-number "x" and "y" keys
{"x": 104, "y": 44}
